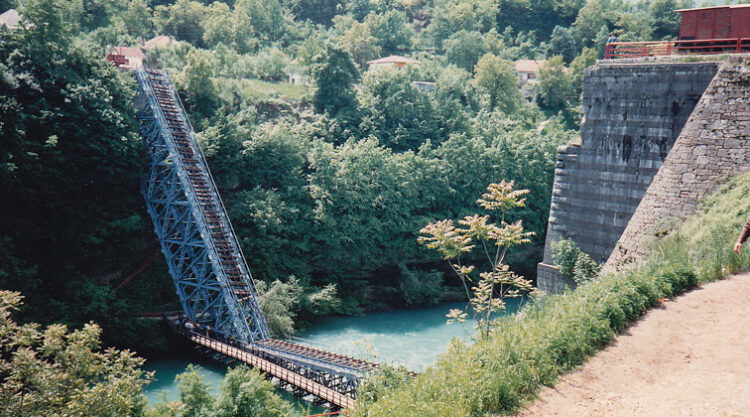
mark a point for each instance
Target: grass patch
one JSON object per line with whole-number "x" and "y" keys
{"x": 253, "y": 89}
{"x": 499, "y": 375}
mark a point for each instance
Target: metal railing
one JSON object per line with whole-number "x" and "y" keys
{"x": 244, "y": 353}
{"x": 684, "y": 47}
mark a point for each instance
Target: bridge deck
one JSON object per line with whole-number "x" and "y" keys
{"x": 283, "y": 374}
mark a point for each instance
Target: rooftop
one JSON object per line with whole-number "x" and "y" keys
{"x": 128, "y": 52}
{"x": 528, "y": 65}
{"x": 10, "y": 18}
{"x": 730, "y": 6}
{"x": 393, "y": 59}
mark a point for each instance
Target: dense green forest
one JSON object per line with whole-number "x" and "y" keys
{"x": 328, "y": 181}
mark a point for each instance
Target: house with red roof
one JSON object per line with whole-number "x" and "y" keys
{"x": 126, "y": 57}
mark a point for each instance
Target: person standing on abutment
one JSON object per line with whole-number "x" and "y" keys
{"x": 744, "y": 234}
{"x": 612, "y": 39}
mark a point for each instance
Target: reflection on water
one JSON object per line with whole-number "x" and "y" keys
{"x": 412, "y": 338}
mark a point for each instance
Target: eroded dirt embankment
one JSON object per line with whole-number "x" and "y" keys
{"x": 691, "y": 357}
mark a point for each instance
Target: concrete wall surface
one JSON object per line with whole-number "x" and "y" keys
{"x": 713, "y": 147}
{"x": 633, "y": 113}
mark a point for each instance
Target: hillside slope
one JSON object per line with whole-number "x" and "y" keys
{"x": 689, "y": 358}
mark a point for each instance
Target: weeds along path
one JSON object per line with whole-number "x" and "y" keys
{"x": 691, "y": 357}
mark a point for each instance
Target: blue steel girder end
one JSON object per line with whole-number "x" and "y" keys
{"x": 203, "y": 255}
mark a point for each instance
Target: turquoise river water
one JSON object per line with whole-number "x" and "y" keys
{"x": 412, "y": 338}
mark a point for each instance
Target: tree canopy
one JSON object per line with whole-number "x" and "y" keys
{"x": 327, "y": 179}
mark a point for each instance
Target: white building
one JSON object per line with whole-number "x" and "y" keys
{"x": 10, "y": 19}
{"x": 527, "y": 69}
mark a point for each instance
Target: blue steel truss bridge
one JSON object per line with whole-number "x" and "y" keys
{"x": 221, "y": 310}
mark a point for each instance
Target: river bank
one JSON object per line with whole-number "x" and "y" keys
{"x": 412, "y": 338}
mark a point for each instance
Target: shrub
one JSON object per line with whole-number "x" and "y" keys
{"x": 498, "y": 374}
{"x": 573, "y": 262}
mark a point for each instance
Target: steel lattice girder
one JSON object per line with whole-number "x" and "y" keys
{"x": 201, "y": 281}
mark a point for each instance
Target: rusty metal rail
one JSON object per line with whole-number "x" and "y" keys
{"x": 318, "y": 354}
{"x": 283, "y": 374}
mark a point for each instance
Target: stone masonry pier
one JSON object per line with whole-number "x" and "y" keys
{"x": 634, "y": 112}
{"x": 713, "y": 147}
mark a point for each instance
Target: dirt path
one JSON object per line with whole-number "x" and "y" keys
{"x": 689, "y": 358}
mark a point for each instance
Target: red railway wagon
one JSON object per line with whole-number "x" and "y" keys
{"x": 720, "y": 22}
{"x": 707, "y": 30}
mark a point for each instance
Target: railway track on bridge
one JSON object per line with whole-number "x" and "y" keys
{"x": 216, "y": 290}
{"x": 267, "y": 366}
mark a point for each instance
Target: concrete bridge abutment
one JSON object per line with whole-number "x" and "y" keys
{"x": 654, "y": 131}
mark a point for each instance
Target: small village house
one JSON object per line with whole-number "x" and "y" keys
{"x": 126, "y": 57}
{"x": 527, "y": 69}
{"x": 394, "y": 61}
{"x": 10, "y": 19}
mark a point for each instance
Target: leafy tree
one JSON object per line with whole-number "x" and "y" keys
{"x": 359, "y": 9}
{"x": 394, "y": 110}
{"x": 265, "y": 17}
{"x": 217, "y": 25}
{"x": 498, "y": 281}
{"x": 448, "y": 18}
{"x": 334, "y": 73}
{"x": 269, "y": 64}
{"x": 52, "y": 372}
{"x": 183, "y": 20}
{"x": 557, "y": 89}
{"x": 378, "y": 383}
{"x": 586, "y": 59}
{"x": 317, "y": 11}
{"x": 368, "y": 202}
{"x": 564, "y": 42}
{"x": 420, "y": 287}
{"x": 573, "y": 262}
{"x": 246, "y": 393}
{"x": 360, "y": 43}
{"x": 593, "y": 16}
{"x": 194, "y": 395}
{"x": 635, "y": 26}
{"x": 137, "y": 19}
{"x": 497, "y": 78}
{"x": 195, "y": 81}
{"x": 271, "y": 208}
{"x": 537, "y": 16}
{"x": 666, "y": 22}
{"x": 72, "y": 161}
{"x": 392, "y": 30}
{"x": 282, "y": 301}
{"x": 464, "y": 49}
{"x": 454, "y": 99}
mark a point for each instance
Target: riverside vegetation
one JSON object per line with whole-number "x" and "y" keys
{"x": 502, "y": 372}
{"x": 327, "y": 184}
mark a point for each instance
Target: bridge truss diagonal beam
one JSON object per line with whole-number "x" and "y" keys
{"x": 202, "y": 252}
